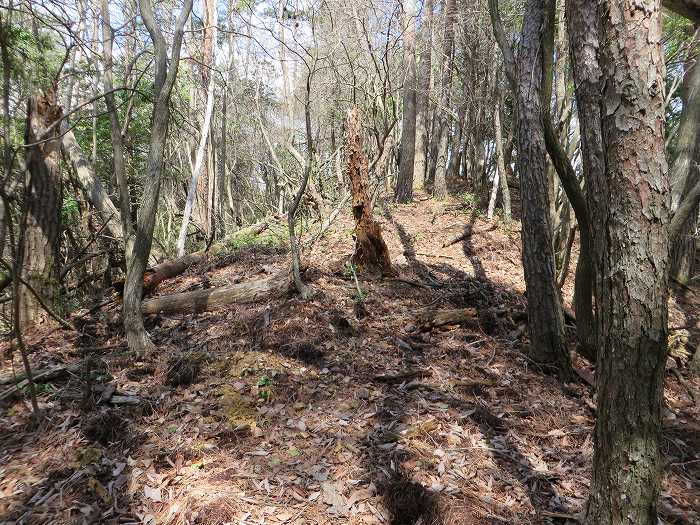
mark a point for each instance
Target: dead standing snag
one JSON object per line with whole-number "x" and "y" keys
{"x": 371, "y": 253}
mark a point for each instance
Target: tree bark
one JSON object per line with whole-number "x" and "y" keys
{"x": 545, "y": 315}
{"x": 500, "y": 159}
{"x": 115, "y": 130}
{"x": 200, "y": 162}
{"x": 441, "y": 131}
{"x": 684, "y": 177}
{"x": 276, "y": 285}
{"x": 43, "y": 200}
{"x": 90, "y": 183}
{"x": 583, "y": 293}
{"x": 204, "y": 184}
{"x": 371, "y": 252}
{"x": 423, "y": 96}
{"x": 172, "y": 268}
{"x": 165, "y": 75}
{"x": 631, "y": 214}
{"x": 404, "y": 180}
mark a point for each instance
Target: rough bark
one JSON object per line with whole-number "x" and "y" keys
{"x": 632, "y": 216}
{"x": 371, "y": 252}
{"x": 404, "y": 179}
{"x": 43, "y": 200}
{"x": 165, "y": 75}
{"x": 545, "y": 315}
{"x": 583, "y": 293}
{"x": 423, "y": 96}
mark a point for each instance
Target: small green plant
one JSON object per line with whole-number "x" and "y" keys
{"x": 469, "y": 200}
{"x": 360, "y": 295}
{"x": 69, "y": 210}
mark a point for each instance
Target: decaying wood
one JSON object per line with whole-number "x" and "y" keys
{"x": 468, "y": 232}
{"x": 42, "y": 376}
{"x": 169, "y": 269}
{"x": 435, "y": 318}
{"x": 204, "y": 300}
{"x": 371, "y": 252}
{"x": 174, "y": 267}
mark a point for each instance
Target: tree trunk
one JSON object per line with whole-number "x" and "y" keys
{"x": 90, "y": 183}
{"x": 545, "y": 315}
{"x": 500, "y": 159}
{"x": 136, "y": 335}
{"x": 583, "y": 294}
{"x": 423, "y": 97}
{"x": 115, "y": 130}
{"x": 276, "y": 285}
{"x": 441, "y": 131}
{"x": 200, "y": 165}
{"x": 371, "y": 253}
{"x": 684, "y": 176}
{"x": 202, "y": 204}
{"x": 404, "y": 180}
{"x": 43, "y": 200}
{"x": 494, "y": 194}
{"x": 630, "y": 217}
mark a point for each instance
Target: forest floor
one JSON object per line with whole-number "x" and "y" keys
{"x": 339, "y": 410}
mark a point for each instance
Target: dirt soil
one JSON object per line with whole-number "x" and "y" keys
{"x": 340, "y": 410}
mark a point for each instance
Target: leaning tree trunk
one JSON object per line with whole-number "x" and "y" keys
{"x": 632, "y": 216}
{"x": 404, "y": 180}
{"x": 545, "y": 314}
{"x": 43, "y": 200}
{"x": 371, "y": 253}
{"x": 136, "y": 335}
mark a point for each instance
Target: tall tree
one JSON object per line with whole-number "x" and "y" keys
{"x": 441, "y": 122}
{"x": 423, "y": 95}
{"x": 404, "y": 180}
{"x": 43, "y": 195}
{"x": 545, "y": 314}
{"x": 203, "y": 204}
{"x": 165, "y": 74}
{"x": 200, "y": 164}
{"x": 628, "y": 196}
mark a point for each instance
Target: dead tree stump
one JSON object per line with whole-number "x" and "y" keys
{"x": 371, "y": 253}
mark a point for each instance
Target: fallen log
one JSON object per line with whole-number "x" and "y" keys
{"x": 436, "y": 318}
{"x": 276, "y": 285}
{"x": 468, "y": 232}
{"x": 169, "y": 269}
{"x": 174, "y": 267}
{"x": 42, "y": 376}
